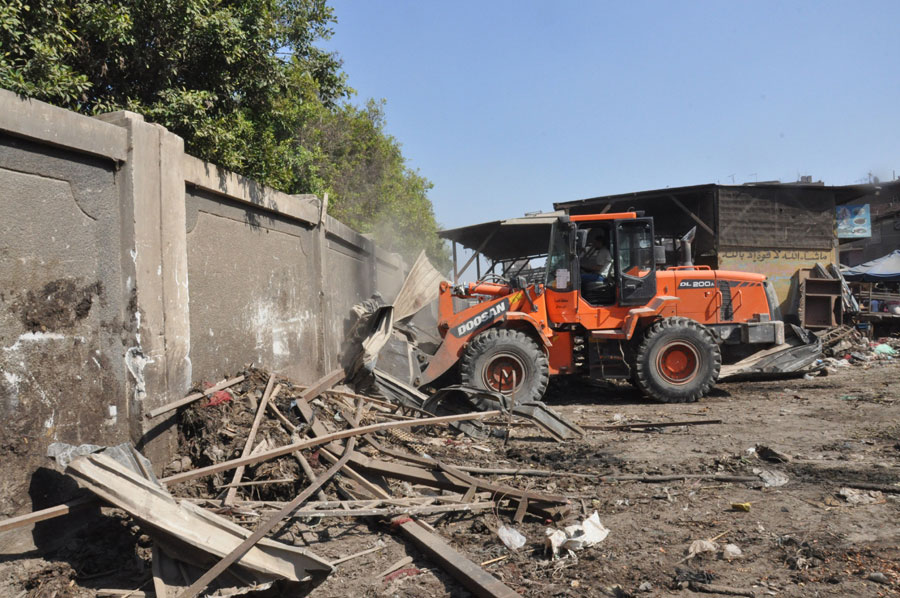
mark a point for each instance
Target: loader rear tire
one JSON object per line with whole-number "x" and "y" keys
{"x": 491, "y": 359}
{"x": 677, "y": 361}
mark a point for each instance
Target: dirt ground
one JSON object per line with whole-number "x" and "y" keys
{"x": 798, "y": 539}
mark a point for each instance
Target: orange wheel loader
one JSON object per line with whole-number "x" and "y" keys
{"x": 665, "y": 330}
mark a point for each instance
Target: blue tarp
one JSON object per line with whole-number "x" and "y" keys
{"x": 884, "y": 269}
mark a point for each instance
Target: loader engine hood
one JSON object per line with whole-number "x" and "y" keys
{"x": 718, "y": 296}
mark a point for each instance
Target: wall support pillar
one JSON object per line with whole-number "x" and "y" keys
{"x": 159, "y": 361}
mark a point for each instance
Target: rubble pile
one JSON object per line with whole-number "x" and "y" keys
{"x": 270, "y": 475}
{"x": 846, "y": 346}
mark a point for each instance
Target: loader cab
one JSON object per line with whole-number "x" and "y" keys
{"x": 631, "y": 277}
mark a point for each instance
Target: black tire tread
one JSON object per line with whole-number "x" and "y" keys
{"x": 494, "y": 337}
{"x": 642, "y": 374}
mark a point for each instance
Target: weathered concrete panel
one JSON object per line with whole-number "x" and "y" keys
{"x": 350, "y": 272}
{"x": 253, "y": 289}
{"x": 126, "y": 267}
{"x": 64, "y": 324}
{"x": 210, "y": 177}
{"x": 42, "y": 122}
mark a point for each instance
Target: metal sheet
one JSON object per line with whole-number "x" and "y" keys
{"x": 519, "y": 237}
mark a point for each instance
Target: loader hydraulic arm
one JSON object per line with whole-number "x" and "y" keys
{"x": 491, "y": 289}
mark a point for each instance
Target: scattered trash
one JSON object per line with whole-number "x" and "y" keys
{"x": 700, "y": 547}
{"x": 685, "y": 574}
{"x": 511, "y": 537}
{"x": 769, "y": 454}
{"x": 575, "y": 537}
{"x": 771, "y": 478}
{"x": 879, "y": 577}
{"x": 861, "y": 497}
{"x": 740, "y": 506}
{"x": 219, "y": 397}
{"x": 884, "y": 349}
{"x": 730, "y": 552}
{"x": 799, "y": 555}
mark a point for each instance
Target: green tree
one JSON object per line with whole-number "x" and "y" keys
{"x": 363, "y": 169}
{"x": 240, "y": 80}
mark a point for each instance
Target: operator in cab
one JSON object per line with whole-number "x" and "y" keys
{"x": 596, "y": 261}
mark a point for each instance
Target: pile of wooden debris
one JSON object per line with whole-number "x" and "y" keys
{"x": 263, "y": 460}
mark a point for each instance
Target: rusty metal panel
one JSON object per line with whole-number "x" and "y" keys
{"x": 776, "y": 217}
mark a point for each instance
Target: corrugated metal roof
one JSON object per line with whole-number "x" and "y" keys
{"x": 506, "y": 239}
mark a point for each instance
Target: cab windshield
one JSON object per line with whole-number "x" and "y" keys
{"x": 559, "y": 270}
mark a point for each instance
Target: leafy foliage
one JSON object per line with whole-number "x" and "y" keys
{"x": 241, "y": 81}
{"x": 362, "y": 166}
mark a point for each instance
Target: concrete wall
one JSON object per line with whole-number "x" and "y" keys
{"x": 129, "y": 270}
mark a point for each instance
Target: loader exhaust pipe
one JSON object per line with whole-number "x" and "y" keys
{"x": 685, "y": 246}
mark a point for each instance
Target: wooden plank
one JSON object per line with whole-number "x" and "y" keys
{"x": 474, "y": 578}
{"x": 256, "y": 483}
{"x": 318, "y": 429}
{"x": 461, "y": 483}
{"x": 330, "y": 504}
{"x": 159, "y": 585}
{"x": 191, "y": 398}
{"x": 310, "y": 474}
{"x": 693, "y": 422}
{"x": 514, "y": 471}
{"x": 287, "y": 423}
{"x": 320, "y": 440}
{"x": 367, "y": 485}
{"x": 44, "y": 514}
{"x": 407, "y": 560}
{"x": 232, "y": 557}
{"x": 520, "y": 510}
{"x": 398, "y": 510}
{"x": 321, "y": 385}
{"x": 251, "y": 436}
{"x": 344, "y": 559}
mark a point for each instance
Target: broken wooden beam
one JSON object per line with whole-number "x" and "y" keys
{"x": 321, "y": 385}
{"x": 44, "y": 514}
{"x": 268, "y": 395}
{"x": 709, "y": 588}
{"x": 191, "y": 398}
{"x": 693, "y": 422}
{"x": 523, "y": 471}
{"x": 471, "y": 576}
{"x": 407, "y": 560}
{"x": 320, "y": 440}
{"x": 652, "y": 479}
{"x": 344, "y": 559}
{"x": 448, "y": 477}
{"x": 396, "y": 510}
{"x": 330, "y": 504}
{"x": 233, "y": 556}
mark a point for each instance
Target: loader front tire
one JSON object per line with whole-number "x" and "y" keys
{"x": 497, "y": 356}
{"x": 677, "y": 361}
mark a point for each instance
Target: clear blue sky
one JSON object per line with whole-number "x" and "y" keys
{"x": 508, "y": 106}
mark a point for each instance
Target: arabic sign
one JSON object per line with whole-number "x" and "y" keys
{"x": 854, "y": 222}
